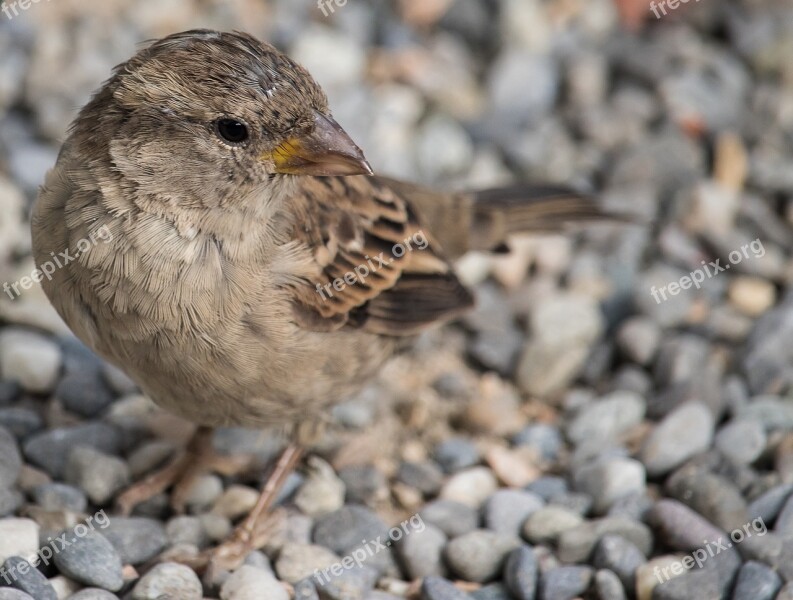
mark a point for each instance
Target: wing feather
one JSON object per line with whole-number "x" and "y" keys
{"x": 379, "y": 269}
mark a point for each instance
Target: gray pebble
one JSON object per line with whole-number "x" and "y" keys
{"x": 699, "y": 583}
{"x": 610, "y": 479}
{"x": 784, "y": 520}
{"x": 608, "y": 586}
{"x": 686, "y": 431}
{"x": 352, "y": 527}
{"x": 638, "y": 338}
{"x": 421, "y": 554}
{"x": 249, "y": 583}
{"x": 479, "y": 555}
{"x": 437, "y": 588}
{"x": 10, "y": 459}
{"x": 633, "y": 506}
{"x": 84, "y": 393}
{"x": 564, "y": 328}
{"x": 457, "y": 152}
{"x": 93, "y": 594}
{"x": 169, "y": 580}
{"x": 512, "y": 99}
{"x": 575, "y": 501}
{"x": 344, "y": 529}
{"x": 756, "y": 581}
{"x": 548, "y": 523}
{"x": 50, "y": 449}
{"x": 576, "y": 544}
{"x": 10, "y": 501}
{"x": 136, "y": 539}
{"x": 148, "y": 456}
{"x": 9, "y": 391}
{"x": 60, "y": 496}
{"x": 545, "y": 439}
{"x": 306, "y": 590}
{"x": 547, "y": 487}
{"x": 378, "y": 595}
{"x": 91, "y": 560}
{"x": 681, "y": 358}
{"x": 453, "y": 518}
{"x": 14, "y": 594}
{"x": 352, "y": 583}
{"x": 203, "y": 492}
{"x": 494, "y": 591}
{"x": 259, "y": 559}
{"x": 565, "y": 583}
{"x": 741, "y": 441}
{"x": 773, "y": 412}
{"x": 768, "y": 505}
{"x": 456, "y": 454}
{"x": 521, "y": 573}
{"x": 683, "y": 529}
{"x": 99, "y": 475}
{"x": 186, "y": 530}
{"x": 355, "y": 414}
{"x": 365, "y": 484}
{"x": 426, "y": 477}
{"x": 716, "y": 498}
{"x": 28, "y": 579}
{"x": 607, "y": 417}
{"x": 680, "y": 527}
{"x": 22, "y": 422}
{"x": 507, "y": 510}
{"x": 299, "y": 561}
{"x": 620, "y": 556}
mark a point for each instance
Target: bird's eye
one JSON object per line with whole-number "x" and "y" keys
{"x": 231, "y": 130}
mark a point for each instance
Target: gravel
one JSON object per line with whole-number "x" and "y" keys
{"x": 521, "y": 573}
{"x": 479, "y": 555}
{"x": 18, "y": 537}
{"x": 506, "y": 510}
{"x": 565, "y": 439}
{"x": 681, "y": 435}
{"x": 28, "y": 579}
{"x": 91, "y": 560}
{"x": 422, "y": 555}
{"x": 136, "y": 539}
{"x": 30, "y": 359}
{"x": 453, "y": 518}
{"x": 170, "y": 580}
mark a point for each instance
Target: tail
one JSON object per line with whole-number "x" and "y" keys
{"x": 483, "y": 220}
{"x": 498, "y": 213}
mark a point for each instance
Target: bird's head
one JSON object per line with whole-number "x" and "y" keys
{"x": 218, "y": 111}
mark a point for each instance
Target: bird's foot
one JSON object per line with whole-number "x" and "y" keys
{"x": 251, "y": 534}
{"x": 198, "y": 458}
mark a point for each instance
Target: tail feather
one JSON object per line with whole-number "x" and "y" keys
{"x": 484, "y": 220}
{"x": 499, "y": 212}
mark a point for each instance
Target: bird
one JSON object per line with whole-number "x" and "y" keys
{"x": 256, "y": 271}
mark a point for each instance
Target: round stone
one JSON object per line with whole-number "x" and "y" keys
{"x": 91, "y": 560}
{"x": 168, "y": 580}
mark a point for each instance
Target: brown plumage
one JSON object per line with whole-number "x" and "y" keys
{"x": 235, "y": 206}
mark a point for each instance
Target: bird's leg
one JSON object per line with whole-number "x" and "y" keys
{"x": 246, "y": 536}
{"x": 197, "y": 458}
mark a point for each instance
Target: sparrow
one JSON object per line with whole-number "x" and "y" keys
{"x": 239, "y": 218}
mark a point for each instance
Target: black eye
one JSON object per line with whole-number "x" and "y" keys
{"x": 231, "y": 130}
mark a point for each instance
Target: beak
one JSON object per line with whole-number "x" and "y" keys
{"x": 326, "y": 151}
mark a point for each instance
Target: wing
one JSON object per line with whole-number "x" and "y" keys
{"x": 377, "y": 268}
